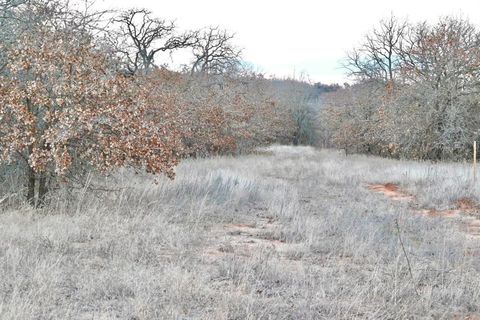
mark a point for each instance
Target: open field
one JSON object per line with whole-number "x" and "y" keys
{"x": 288, "y": 233}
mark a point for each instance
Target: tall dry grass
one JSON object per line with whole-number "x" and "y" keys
{"x": 287, "y": 233}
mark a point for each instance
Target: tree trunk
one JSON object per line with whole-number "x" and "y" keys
{"x": 295, "y": 140}
{"x": 42, "y": 190}
{"x": 31, "y": 186}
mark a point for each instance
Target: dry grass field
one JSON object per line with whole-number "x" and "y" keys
{"x": 287, "y": 233}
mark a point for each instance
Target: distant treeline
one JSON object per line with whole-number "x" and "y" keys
{"x": 416, "y": 92}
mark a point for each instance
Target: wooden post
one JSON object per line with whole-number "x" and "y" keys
{"x": 474, "y": 161}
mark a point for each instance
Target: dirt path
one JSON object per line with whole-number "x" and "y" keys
{"x": 250, "y": 239}
{"x": 465, "y": 213}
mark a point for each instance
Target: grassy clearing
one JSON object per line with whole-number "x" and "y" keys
{"x": 289, "y": 233}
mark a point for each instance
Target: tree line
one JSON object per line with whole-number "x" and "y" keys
{"x": 84, "y": 91}
{"x": 416, "y": 93}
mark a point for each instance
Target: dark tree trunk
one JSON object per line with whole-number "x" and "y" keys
{"x": 31, "y": 178}
{"x": 295, "y": 141}
{"x": 42, "y": 190}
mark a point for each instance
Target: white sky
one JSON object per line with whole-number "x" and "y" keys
{"x": 282, "y": 37}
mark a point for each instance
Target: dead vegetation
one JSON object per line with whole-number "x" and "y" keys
{"x": 466, "y": 211}
{"x": 288, "y": 233}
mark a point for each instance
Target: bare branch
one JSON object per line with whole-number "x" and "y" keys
{"x": 214, "y": 53}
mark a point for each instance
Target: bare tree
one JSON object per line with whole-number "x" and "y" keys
{"x": 142, "y": 36}
{"x": 433, "y": 111}
{"x": 448, "y": 50}
{"x": 443, "y": 60}
{"x": 377, "y": 58}
{"x": 214, "y": 53}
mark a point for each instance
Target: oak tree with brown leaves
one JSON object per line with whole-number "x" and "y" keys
{"x": 61, "y": 108}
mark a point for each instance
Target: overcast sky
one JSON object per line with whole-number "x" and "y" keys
{"x": 283, "y": 37}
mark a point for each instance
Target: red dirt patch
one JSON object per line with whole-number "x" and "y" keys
{"x": 391, "y": 187}
{"x": 467, "y": 205}
{"x": 463, "y": 205}
{"x": 392, "y": 191}
{"x": 465, "y": 208}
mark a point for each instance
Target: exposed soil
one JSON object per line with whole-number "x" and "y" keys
{"x": 392, "y": 191}
{"x": 244, "y": 239}
{"x": 466, "y": 211}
